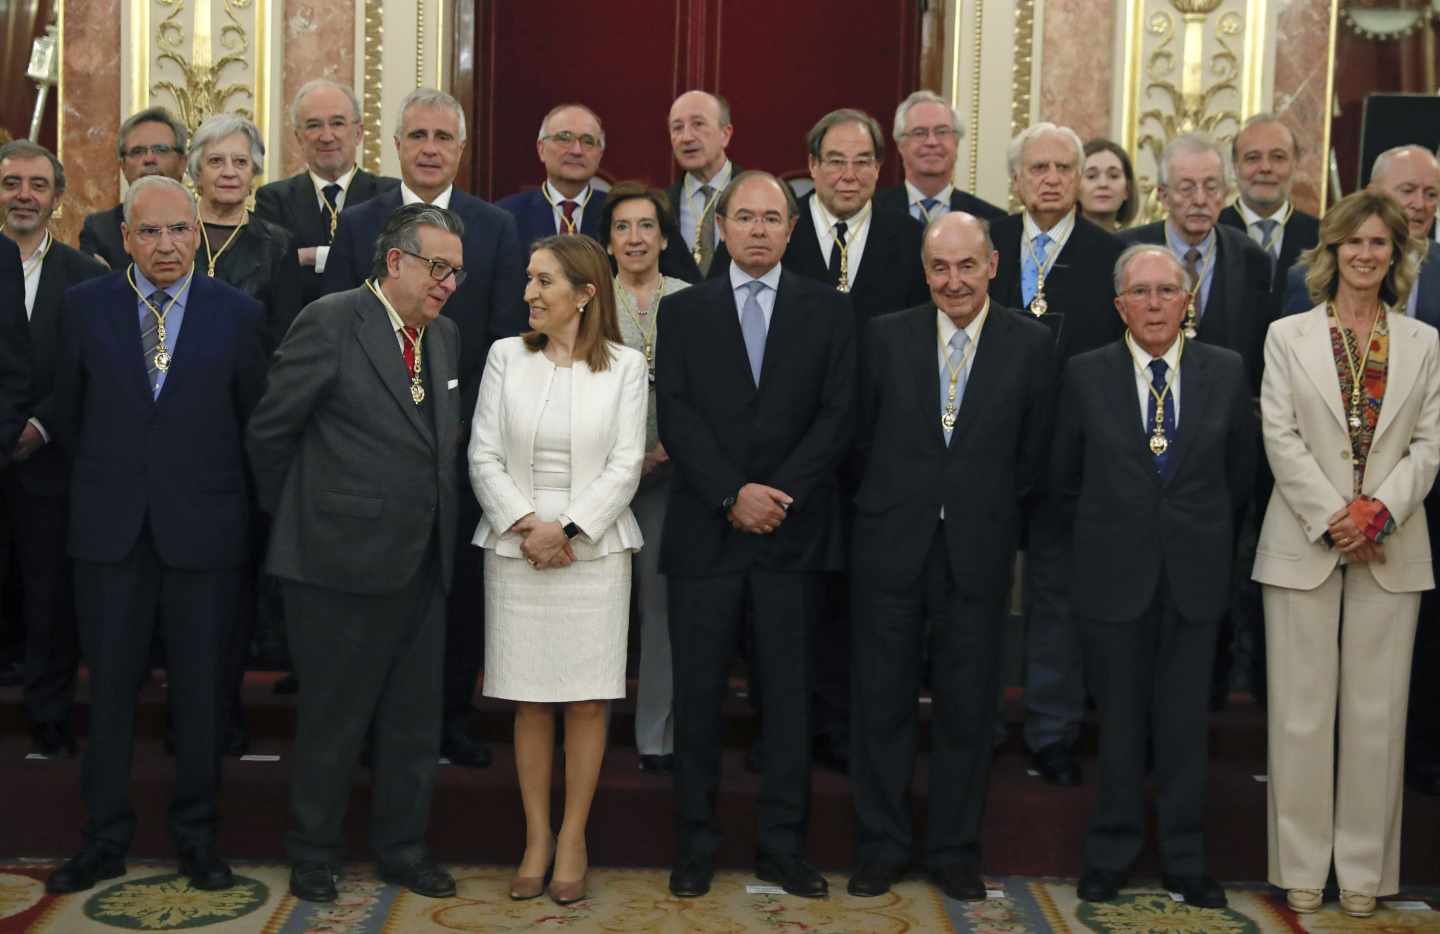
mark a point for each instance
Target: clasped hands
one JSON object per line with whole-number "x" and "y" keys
{"x": 1351, "y": 541}
{"x": 759, "y": 509}
{"x": 544, "y": 544}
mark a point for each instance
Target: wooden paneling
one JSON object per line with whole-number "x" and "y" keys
{"x": 781, "y": 65}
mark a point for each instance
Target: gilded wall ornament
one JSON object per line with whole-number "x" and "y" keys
{"x": 199, "y": 93}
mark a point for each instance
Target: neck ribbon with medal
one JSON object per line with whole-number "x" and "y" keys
{"x": 211, "y": 258}
{"x": 163, "y": 358}
{"x": 698, "y": 252}
{"x": 1159, "y": 444}
{"x": 1355, "y": 417}
{"x": 1038, "y": 304}
{"x": 417, "y": 389}
{"x": 951, "y": 414}
{"x": 639, "y": 316}
{"x": 1192, "y": 315}
{"x": 567, "y": 224}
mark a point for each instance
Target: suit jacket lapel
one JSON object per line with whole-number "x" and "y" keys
{"x": 195, "y": 333}
{"x": 381, "y": 347}
{"x": 1226, "y": 299}
{"x": 1120, "y": 387}
{"x": 922, "y": 354}
{"x": 49, "y": 292}
{"x": 984, "y": 371}
{"x": 1317, "y": 358}
{"x": 803, "y": 254}
{"x": 786, "y": 325}
{"x": 126, "y": 325}
{"x": 1194, "y": 399}
{"x": 1402, "y": 370}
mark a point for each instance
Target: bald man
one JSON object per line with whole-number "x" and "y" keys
{"x": 700, "y": 131}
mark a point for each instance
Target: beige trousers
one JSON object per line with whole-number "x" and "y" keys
{"x": 1346, "y": 644}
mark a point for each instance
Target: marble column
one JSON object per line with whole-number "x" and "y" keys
{"x": 1076, "y": 76}
{"x": 1301, "y": 85}
{"x": 319, "y": 42}
{"x": 90, "y": 111}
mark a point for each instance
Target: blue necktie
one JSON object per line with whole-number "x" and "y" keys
{"x": 928, "y": 205}
{"x": 1030, "y": 268}
{"x": 1158, "y": 369}
{"x": 150, "y": 339}
{"x": 752, "y": 328}
{"x": 957, "y": 343}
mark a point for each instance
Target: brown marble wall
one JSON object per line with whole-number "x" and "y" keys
{"x": 319, "y": 43}
{"x": 1077, "y": 72}
{"x": 1303, "y": 38}
{"x": 91, "y": 98}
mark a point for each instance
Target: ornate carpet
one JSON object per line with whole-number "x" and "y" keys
{"x": 152, "y": 898}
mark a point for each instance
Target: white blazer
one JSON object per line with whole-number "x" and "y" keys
{"x": 1308, "y": 445}
{"x": 607, "y": 446}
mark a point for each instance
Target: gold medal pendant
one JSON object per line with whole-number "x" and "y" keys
{"x": 417, "y": 392}
{"x": 843, "y": 286}
{"x": 696, "y": 254}
{"x": 1159, "y": 444}
{"x": 1039, "y": 306}
{"x": 1355, "y": 421}
{"x": 1191, "y": 328}
{"x": 948, "y": 419}
{"x": 162, "y": 360}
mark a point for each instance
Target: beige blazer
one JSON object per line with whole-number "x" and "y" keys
{"x": 607, "y": 446}
{"x": 1308, "y": 446}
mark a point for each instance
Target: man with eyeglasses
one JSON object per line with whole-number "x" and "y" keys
{"x": 325, "y": 118}
{"x": 1152, "y": 463}
{"x": 489, "y": 304}
{"x": 570, "y": 145}
{"x": 928, "y": 132}
{"x": 160, "y": 517}
{"x": 151, "y": 142}
{"x": 1265, "y": 153}
{"x": 353, "y": 449}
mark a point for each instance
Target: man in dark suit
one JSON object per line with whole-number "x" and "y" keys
{"x": 1231, "y": 273}
{"x": 700, "y": 130}
{"x": 488, "y": 305}
{"x": 570, "y": 145}
{"x": 325, "y": 117}
{"x": 33, "y": 488}
{"x": 928, "y": 588}
{"x": 756, "y": 381}
{"x": 1264, "y": 154}
{"x": 1153, "y": 465}
{"x": 354, "y": 458}
{"x": 151, "y": 142}
{"x": 15, "y": 363}
{"x": 928, "y": 132}
{"x": 1056, "y": 265}
{"x": 160, "y": 514}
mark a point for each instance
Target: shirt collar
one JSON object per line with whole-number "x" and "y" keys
{"x": 721, "y": 179}
{"x": 826, "y": 221}
{"x": 442, "y": 200}
{"x": 343, "y": 181}
{"x": 396, "y": 323}
{"x": 916, "y": 195}
{"x": 972, "y": 330}
{"x": 739, "y": 278}
{"x": 1180, "y": 246}
{"x": 556, "y": 198}
{"x": 1282, "y": 214}
{"x": 1060, "y": 233}
{"x": 34, "y": 259}
{"x": 1171, "y": 356}
{"x": 146, "y": 286}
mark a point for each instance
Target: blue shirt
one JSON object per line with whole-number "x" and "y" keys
{"x": 173, "y": 318}
{"x": 1209, "y": 256}
{"x": 740, "y": 283}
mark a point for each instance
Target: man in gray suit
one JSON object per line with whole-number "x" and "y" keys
{"x": 354, "y": 450}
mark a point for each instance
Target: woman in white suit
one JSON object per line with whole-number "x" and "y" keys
{"x": 555, "y": 457}
{"x": 1350, "y": 408}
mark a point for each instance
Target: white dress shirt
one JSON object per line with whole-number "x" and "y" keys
{"x": 322, "y": 253}
{"x": 917, "y": 209}
{"x": 857, "y": 230}
{"x": 31, "y": 268}
{"x": 692, "y": 202}
{"x": 1059, "y": 236}
{"x": 739, "y": 282}
{"x": 1252, "y": 224}
{"x": 557, "y": 209}
{"x": 1143, "y": 383}
{"x": 442, "y": 200}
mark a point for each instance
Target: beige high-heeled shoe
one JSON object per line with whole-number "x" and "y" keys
{"x": 523, "y": 888}
{"x": 1304, "y": 901}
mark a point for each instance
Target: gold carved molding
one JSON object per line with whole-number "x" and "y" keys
{"x": 371, "y": 104}
{"x": 978, "y": 26}
{"x": 1022, "y": 73}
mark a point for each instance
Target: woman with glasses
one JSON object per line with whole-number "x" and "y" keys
{"x": 556, "y": 451}
{"x": 1350, "y": 407}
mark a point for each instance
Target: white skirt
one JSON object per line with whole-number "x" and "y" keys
{"x": 556, "y": 635}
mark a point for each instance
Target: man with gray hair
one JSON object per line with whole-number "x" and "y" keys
{"x": 700, "y": 129}
{"x": 325, "y": 118}
{"x": 570, "y": 145}
{"x": 429, "y": 138}
{"x": 151, "y": 142}
{"x": 33, "y": 501}
{"x": 1151, "y": 467}
{"x": 354, "y": 458}
{"x": 1265, "y": 153}
{"x": 928, "y": 132}
{"x": 1055, "y": 265}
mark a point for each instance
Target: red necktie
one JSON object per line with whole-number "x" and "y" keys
{"x": 569, "y": 208}
{"x": 412, "y": 336}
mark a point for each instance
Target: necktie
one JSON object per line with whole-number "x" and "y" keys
{"x": 568, "y": 227}
{"x": 957, "y": 344}
{"x": 840, "y": 230}
{"x": 412, "y": 336}
{"x": 1030, "y": 265}
{"x": 1268, "y": 226}
{"x": 928, "y": 206}
{"x": 1158, "y": 369}
{"x": 705, "y": 235}
{"x": 150, "y": 339}
{"x": 1192, "y": 266}
{"x": 752, "y": 328}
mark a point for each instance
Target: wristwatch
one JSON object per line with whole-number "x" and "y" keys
{"x": 727, "y": 504}
{"x": 571, "y": 530}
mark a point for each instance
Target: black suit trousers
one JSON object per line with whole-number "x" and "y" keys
{"x": 32, "y": 527}
{"x": 895, "y": 633}
{"x": 1151, "y": 680}
{"x": 363, "y": 659}
{"x": 119, "y": 606}
{"x": 706, "y": 616}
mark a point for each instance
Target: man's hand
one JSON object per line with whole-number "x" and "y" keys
{"x": 30, "y": 441}
{"x": 547, "y": 546}
{"x": 759, "y": 509}
{"x": 653, "y": 459}
{"x": 307, "y": 255}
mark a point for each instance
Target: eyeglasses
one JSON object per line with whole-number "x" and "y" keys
{"x": 567, "y": 139}
{"x": 158, "y": 149}
{"x": 336, "y": 125}
{"x": 1211, "y": 189}
{"x": 836, "y": 165}
{"x": 440, "y": 270}
{"x": 149, "y": 233}
{"x": 940, "y": 134}
{"x": 1141, "y": 293}
{"x": 773, "y": 220}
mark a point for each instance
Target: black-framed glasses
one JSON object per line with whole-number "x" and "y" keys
{"x": 159, "y": 149}
{"x": 440, "y": 270}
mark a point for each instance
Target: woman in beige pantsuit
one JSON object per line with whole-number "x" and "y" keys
{"x": 1350, "y": 409}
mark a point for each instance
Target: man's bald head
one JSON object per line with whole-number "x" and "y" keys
{"x": 959, "y": 261}
{"x": 1410, "y": 175}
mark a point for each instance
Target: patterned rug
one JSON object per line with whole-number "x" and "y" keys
{"x": 152, "y": 898}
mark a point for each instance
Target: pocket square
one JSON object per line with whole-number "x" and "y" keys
{"x": 453, "y": 384}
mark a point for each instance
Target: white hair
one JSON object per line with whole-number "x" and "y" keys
{"x": 1191, "y": 144}
{"x": 429, "y": 97}
{"x": 224, "y": 126}
{"x": 157, "y": 181}
{"x": 1015, "y": 152}
{"x": 902, "y": 113}
{"x": 316, "y": 85}
{"x": 1382, "y": 161}
{"x": 1137, "y": 250}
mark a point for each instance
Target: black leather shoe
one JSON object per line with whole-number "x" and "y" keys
{"x": 690, "y": 880}
{"x": 206, "y": 871}
{"x": 960, "y": 881}
{"x": 657, "y": 764}
{"x": 1099, "y": 885}
{"x": 457, "y": 745}
{"x": 289, "y": 684}
{"x": 84, "y": 869}
{"x": 1200, "y": 891}
{"x": 423, "y": 877}
{"x": 1056, "y": 765}
{"x": 795, "y": 876}
{"x": 52, "y": 738}
{"x": 874, "y": 879}
{"x": 832, "y": 754}
{"x": 313, "y": 882}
